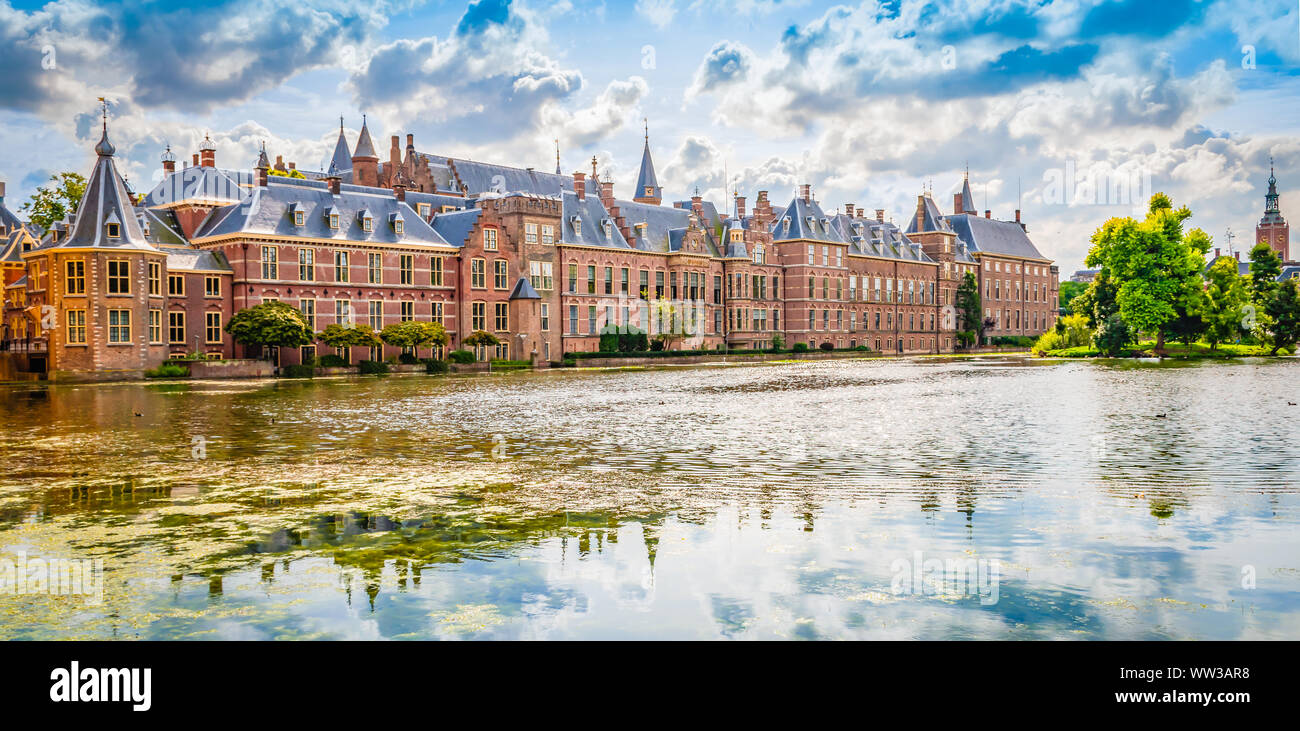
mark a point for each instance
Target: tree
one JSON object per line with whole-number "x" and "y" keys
{"x": 270, "y": 324}
{"x": 292, "y": 173}
{"x": 1224, "y": 298}
{"x": 1068, "y": 291}
{"x": 54, "y": 202}
{"x": 1153, "y": 263}
{"x": 970, "y": 310}
{"x": 1265, "y": 268}
{"x": 1284, "y": 310}
{"x": 480, "y": 338}
{"x": 1111, "y": 332}
{"x": 1188, "y": 324}
{"x": 342, "y": 337}
{"x": 414, "y": 334}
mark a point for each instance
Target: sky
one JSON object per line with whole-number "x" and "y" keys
{"x": 1072, "y": 111}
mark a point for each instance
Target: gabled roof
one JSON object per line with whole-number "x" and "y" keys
{"x": 593, "y": 231}
{"x": 524, "y": 290}
{"x": 991, "y": 236}
{"x": 267, "y": 211}
{"x": 199, "y": 185}
{"x": 185, "y": 259}
{"x": 807, "y": 220}
{"x": 454, "y": 227}
{"x": 646, "y": 177}
{"x": 932, "y": 219}
{"x": 8, "y": 220}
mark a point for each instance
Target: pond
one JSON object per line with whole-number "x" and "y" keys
{"x": 929, "y": 498}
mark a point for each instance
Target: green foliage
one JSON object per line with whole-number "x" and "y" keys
{"x": 1153, "y": 263}
{"x": 1265, "y": 268}
{"x": 168, "y": 370}
{"x": 349, "y": 336}
{"x": 1112, "y": 336}
{"x": 480, "y": 338}
{"x": 433, "y": 365}
{"x": 1224, "y": 299}
{"x": 461, "y": 356}
{"x": 373, "y": 368}
{"x": 1284, "y": 312}
{"x": 414, "y": 334}
{"x": 332, "y": 361}
{"x": 1068, "y": 291}
{"x": 778, "y": 343}
{"x": 826, "y": 346}
{"x": 287, "y": 173}
{"x": 800, "y": 348}
{"x": 1071, "y": 331}
{"x": 272, "y": 324}
{"x": 51, "y": 203}
{"x": 1016, "y": 341}
{"x": 297, "y": 371}
{"x": 970, "y": 310}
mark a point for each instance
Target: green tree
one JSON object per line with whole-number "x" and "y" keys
{"x": 1265, "y": 268}
{"x": 970, "y": 310}
{"x": 54, "y": 202}
{"x": 1284, "y": 311}
{"x": 270, "y": 324}
{"x": 1068, "y": 291}
{"x": 1100, "y": 305}
{"x": 414, "y": 334}
{"x": 343, "y": 337}
{"x": 293, "y": 173}
{"x": 1153, "y": 263}
{"x": 1224, "y": 298}
{"x": 480, "y": 338}
{"x": 1188, "y": 323}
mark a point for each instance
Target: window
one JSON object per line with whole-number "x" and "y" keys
{"x": 367, "y": 223}
{"x": 375, "y": 315}
{"x": 530, "y": 233}
{"x": 155, "y": 278}
{"x": 212, "y": 286}
{"x": 541, "y": 275}
{"x": 406, "y": 264}
{"x": 423, "y": 209}
{"x": 437, "y": 312}
{"x": 548, "y": 234}
{"x": 175, "y": 285}
{"x": 119, "y": 326}
{"x": 573, "y": 278}
{"x": 75, "y": 281}
{"x": 659, "y": 285}
{"x": 306, "y": 265}
{"x": 489, "y": 239}
{"x": 478, "y": 274}
{"x": 502, "y": 316}
{"x": 299, "y": 218}
{"x": 119, "y": 278}
{"x": 212, "y": 331}
{"x": 399, "y": 226}
{"x": 308, "y": 310}
{"x": 270, "y": 262}
{"x": 573, "y": 319}
{"x": 644, "y": 290}
{"x": 478, "y": 316}
{"x": 591, "y": 319}
{"x": 717, "y": 290}
{"x": 609, "y": 280}
{"x": 500, "y": 274}
{"x": 114, "y": 230}
{"x": 334, "y": 219}
{"x": 812, "y": 254}
{"x": 176, "y": 328}
{"x": 76, "y": 327}
{"x": 435, "y": 271}
{"x": 342, "y": 311}
{"x": 546, "y": 317}
{"x": 407, "y": 310}
{"x": 624, "y": 275}
{"x": 340, "y": 266}
{"x": 155, "y": 327}
{"x": 591, "y": 280}
{"x": 375, "y": 268}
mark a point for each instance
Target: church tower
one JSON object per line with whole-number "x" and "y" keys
{"x": 1273, "y": 229}
{"x": 647, "y": 186}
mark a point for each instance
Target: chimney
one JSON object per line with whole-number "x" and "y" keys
{"x": 805, "y": 192}
{"x": 2, "y": 193}
{"x": 580, "y": 185}
{"x": 399, "y": 190}
{"x": 1017, "y": 215}
{"x": 333, "y": 182}
{"x": 410, "y": 141}
{"x": 607, "y": 192}
{"x": 293, "y": 166}
{"x": 988, "y": 213}
{"x": 1237, "y": 254}
{"x": 849, "y": 209}
{"x": 1217, "y": 253}
{"x": 262, "y": 175}
{"x": 196, "y": 159}
{"x": 880, "y": 215}
{"x": 740, "y": 206}
{"x": 279, "y": 163}
{"x": 956, "y": 204}
{"x": 860, "y": 213}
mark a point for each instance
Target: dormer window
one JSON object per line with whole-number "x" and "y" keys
{"x": 577, "y": 226}
{"x": 332, "y": 216}
{"x": 299, "y": 215}
{"x": 423, "y": 209}
{"x": 812, "y": 223}
{"x": 399, "y": 223}
{"x": 785, "y": 225}
{"x": 114, "y": 230}
{"x": 367, "y": 222}
{"x": 608, "y": 228}
{"x": 641, "y": 230}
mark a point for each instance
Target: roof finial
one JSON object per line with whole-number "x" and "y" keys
{"x": 593, "y": 167}
{"x": 340, "y": 124}
{"x": 967, "y": 176}
{"x": 646, "y": 122}
{"x": 104, "y": 148}
{"x": 557, "y": 157}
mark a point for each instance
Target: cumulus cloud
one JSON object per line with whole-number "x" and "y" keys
{"x": 659, "y": 12}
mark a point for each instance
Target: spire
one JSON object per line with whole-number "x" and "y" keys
{"x": 365, "y": 148}
{"x": 106, "y": 214}
{"x": 967, "y": 199}
{"x": 342, "y": 159}
{"x": 262, "y": 160}
{"x": 557, "y": 158}
{"x": 104, "y": 148}
{"x": 647, "y": 185}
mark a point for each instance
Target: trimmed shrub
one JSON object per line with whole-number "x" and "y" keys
{"x": 297, "y": 371}
{"x": 408, "y": 359}
{"x": 332, "y": 360}
{"x": 800, "y": 348}
{"x": 862, "y": 348}
{"x": 433, "y": 365}
{"x": 827, "y": 346}
{"x": 373, "y": 368}
{"x": 168, "y": 370}
{"x": 461, "y": 356}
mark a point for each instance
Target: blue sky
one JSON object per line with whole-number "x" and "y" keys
{"x": 870, "y": 103}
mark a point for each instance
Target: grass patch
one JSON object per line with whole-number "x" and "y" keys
{"x": 1146, "y": 349}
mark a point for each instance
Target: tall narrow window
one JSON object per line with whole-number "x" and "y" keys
{"x": 478, "y": 274}
{"x": 408, "y": 310}
{"x": 306, "y": 265}
{"x": 119, "y": 277}
{"x": 502, "y": 318}
{"x": 76, "y": 327}
{"x": 489, "y": 239}
{"x": 176, "y": 328}
{"x": 340, "y": 266}
{"x": 75, "y": 281}
{"x": 406, "y": 264}
{"x": 270, "y": 262}
{"x": 435, "y": 271}
{"x": 119, "y": 326}
{"x": 212, "y": 329}
{"x": 155, "y": 279}
{"x": 500, "y": 274}
{"x": 375, "y": 268}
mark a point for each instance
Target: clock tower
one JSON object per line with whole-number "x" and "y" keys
{"x": 1273, "y": 229}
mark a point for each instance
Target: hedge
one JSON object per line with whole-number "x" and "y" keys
{"x": 683, "y": 353}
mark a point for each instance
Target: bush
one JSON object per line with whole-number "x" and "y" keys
{"x": 1017, "y": 341}
{"x": 433, "y": 365}
{"x": 1070, "y": 332}
{"x": 168, "y": 370}
{"x": 373, "y": 368}
{"x": 862, "y": 348}
{"x": 800, "y": 348}
{"x": 297, "y": 371}
{"x": 826, "y": 346}
{"x": 656, "y": 346}
{"x": 332, "y": 361}
{"x": 408, "y": 359}
{"x": 461, "y": 356}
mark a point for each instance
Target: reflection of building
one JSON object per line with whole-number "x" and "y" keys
{"x": 544, "y": 261}
{"x": 1272, "y": 228}
{"x": 1085, "y": 276}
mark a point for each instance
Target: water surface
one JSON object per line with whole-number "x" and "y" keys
{"x": 757, "y": 501}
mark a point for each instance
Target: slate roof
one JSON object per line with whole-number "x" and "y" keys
{"x": 11, "y": 246}
{"x": 593, "y": 231}
{"x": 184, "y": 259}
{"x": 967, "y": 200}
{"x": 105, "y": 201}
{"x": 10, "y": 221}
{"x": 1289, "y": 272}
{"x": 454, "y": 227}
{"x": 197, "y": 183}
{"x": 365, "y": 148}
{"x": 524, "y": 290}
{"x": 482, "y": 177}
{"x": 991, "y": 236}
{"x": 933, "y": 220}
{"x": 342, "y": 158}
{"x": 1243, "y": 267}
{"x": 808, "y": 221}
{"x": 437, "y": 200}
{"x": 646, "y": 177}
{"x": 870, "y": 237}
{"x": 268, "y": 211}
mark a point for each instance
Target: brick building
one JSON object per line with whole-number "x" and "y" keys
{"x": 1273, "y": 229}
{"x": 544, "y": 261}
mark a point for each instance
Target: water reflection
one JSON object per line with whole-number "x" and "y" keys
{"x": 731, "y": 502}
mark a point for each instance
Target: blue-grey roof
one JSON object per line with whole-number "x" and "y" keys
{"x": 197, "y": 183}
{"x": 160, "y": 227}
{"x": 991, "y": 236}
{"x": 11, "y": 246}
{"x": 477, "y": 178}
{"x": 524, "y": 290}
{"x": 454, "y": 227}
{"x": 342, "y": 158}
{"x": 967, "y": 200}
{"x": 870, "y": 237}
{"x": 184, "y": 259}
{"x": 437, "y": 200}
{"x": 365, "y": 147}
{"x": 1289, "y": 272}
{"x": 646, "y": 177}
{"x": 1243, "y": 267}
{"x": 105, "y": 201}
{"x": 594, "y": 217}
{"x": 8, "y": 220}
{"x": 268, "y": 211}
{"x": 933, "y": 220}
{"x": 808, "y": 221}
